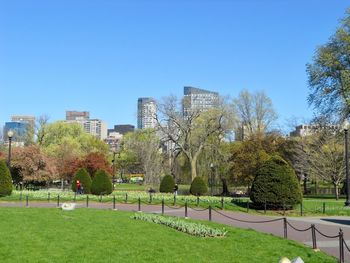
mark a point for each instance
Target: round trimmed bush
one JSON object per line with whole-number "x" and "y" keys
{"x": 83, "y": 176}
{"x": 5, "y": 179}
{"x": 276, "y": 184}
{"x": 167, "y": 184}
{"x": 198, "y": 187}
{"x": 101, "y": 184}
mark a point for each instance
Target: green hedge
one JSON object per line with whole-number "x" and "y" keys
{"x": 83, "y": 176}
{"x": 5, "y": 179}
{"x": 101, "y": 184}
{"x": 167, "y": 184}
{"x": 276, "y": 184}
{"x": 198, "y": 187}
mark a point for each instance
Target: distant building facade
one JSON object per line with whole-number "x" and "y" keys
{"x": 146, "y": 113}
{"x": 198, "y": 99}
{"x": 124, "y": 128}
{"x": 77, "y": 115}
{"x": 306, "y": 130}
{"x": 95, "y": 127}
{"x": 20, "y": 125}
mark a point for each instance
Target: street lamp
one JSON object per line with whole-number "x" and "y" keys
{"x": 113, "y": 163}
{"x": 212, "y": 167}
{"x": 346, "y": 129}
{"x": 9, "y": 135}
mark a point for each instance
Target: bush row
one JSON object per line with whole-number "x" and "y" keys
{"x": 100, "y": 185}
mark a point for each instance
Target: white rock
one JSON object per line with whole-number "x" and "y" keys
{"x": 285, "y": 260}
{"x": 68, "y": 206}
{"x": 297, "y": 260}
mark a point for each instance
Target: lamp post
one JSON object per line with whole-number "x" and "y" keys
{"x": 212, "y": 167}
{"x": 346, "y": 129}
{"x": 9, "y": 135}
{"x": 113, "y": 167}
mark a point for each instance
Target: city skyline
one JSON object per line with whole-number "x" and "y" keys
{"x": 102, "y": 56}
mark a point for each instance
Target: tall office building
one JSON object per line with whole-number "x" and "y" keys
{"x": 95, "y": 127}
{"x": 146, "y": 113}
{"x": 20, "y": 125}
{"x": 198, "y": 99}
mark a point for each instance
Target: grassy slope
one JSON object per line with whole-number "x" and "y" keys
{"x": 84, "y": 235}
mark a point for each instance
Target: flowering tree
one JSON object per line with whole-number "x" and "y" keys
{"x": 31, "y": 165}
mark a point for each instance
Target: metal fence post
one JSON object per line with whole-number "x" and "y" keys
{"x": 285, "y": 232}
{"x": 248, "y": 206}
{"x": 341, "y": 246}
{"x": 87, "y": 201}
{"x": 186, "y": 210}
{"x": 222, "y": 203}
{"x": 113, "y": 202}
{"x": 265, "y": 207}
{"x": 324, "y": 208}
{"x": 139, "y": 204}
{"x": 163, "y": 206}
{"x": 209, "y": 212}
{"x": 58, "y": 200}
{"x": 150, "y": 198}
{"x": 313, "y": 233}
{"x": 174, "y": 200}
{"x": 301, "y": 209}
{"x": 126, "y": 197}
{"x": 197, "y": 200}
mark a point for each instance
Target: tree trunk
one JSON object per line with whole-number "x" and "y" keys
{"x": 336, "y": 189}
{"x": 193, "y": 168}
{"x": 225, "y": 191}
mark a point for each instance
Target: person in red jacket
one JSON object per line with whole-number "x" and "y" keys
{"x": 78, "y": 187}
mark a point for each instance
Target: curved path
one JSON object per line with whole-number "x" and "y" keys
{"x": 328, "y": 226}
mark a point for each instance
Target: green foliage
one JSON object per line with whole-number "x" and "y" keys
{"x": 5, "y": 179}
{"x": 83, "y": 176}
{"x": 101, "y": 184}
{"x": 198, "y": 187}
{"x": 167, "y": 184}
{"x": 329, "y": 75}
{"x": 194, "y": 229}
{"x": 276, "y": 184}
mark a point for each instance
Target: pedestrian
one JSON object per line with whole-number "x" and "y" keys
{"x": 78, "y": 187}
{"x": 175, "y": 189}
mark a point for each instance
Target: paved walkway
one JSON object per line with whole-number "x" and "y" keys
{"x": 326, "y": 225}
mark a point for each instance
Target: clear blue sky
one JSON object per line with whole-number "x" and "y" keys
{"x": 101, "y": 55}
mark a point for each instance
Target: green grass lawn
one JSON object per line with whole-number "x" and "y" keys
{"x": 88, "y": 235}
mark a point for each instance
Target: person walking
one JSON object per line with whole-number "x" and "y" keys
{"x": 78, "y": 187}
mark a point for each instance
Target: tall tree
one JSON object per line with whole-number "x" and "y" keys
{"x": 255, "y": 112}
{"x": 191, "y": 133}
{"x": 327, "y": 158}
{"x": 329, "y": 75}
{"x": 144, "y": 146}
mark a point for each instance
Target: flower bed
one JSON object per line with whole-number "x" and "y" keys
{"x": 194, "y": 229}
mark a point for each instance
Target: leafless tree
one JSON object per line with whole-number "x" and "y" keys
{"x": 190, "y": 133}
{"x": 255, "y": 111}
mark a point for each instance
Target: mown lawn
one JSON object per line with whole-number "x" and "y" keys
{"x": 88, "y": 235}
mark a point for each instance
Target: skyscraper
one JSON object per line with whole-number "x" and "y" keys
{"x": 146, "y": 113}
{"x": 198, "y": 99}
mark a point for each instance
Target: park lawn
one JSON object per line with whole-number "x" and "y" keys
{"x": 88, "y": 235}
